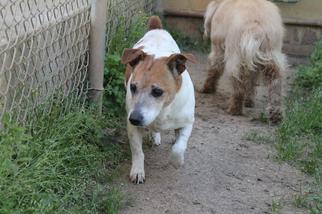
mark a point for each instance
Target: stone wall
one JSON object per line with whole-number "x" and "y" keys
{"x": 300, "y": 40}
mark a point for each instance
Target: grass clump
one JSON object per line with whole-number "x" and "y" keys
{"x": 309, "y": 77}
{"x": 60, "y": 164}
{"x": 258, "y": 138}
{"x": 299, "y": 136}
{"x": 276, "y": 206}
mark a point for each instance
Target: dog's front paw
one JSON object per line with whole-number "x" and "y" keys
{"x": 177, "y": 157}
{"x": 137, "y": 175}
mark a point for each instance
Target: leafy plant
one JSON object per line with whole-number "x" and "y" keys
{"x": 125, "y": 36}
{"x": 114, "y": 85}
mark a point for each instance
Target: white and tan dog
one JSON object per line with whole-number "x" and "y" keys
{"x": 160, "y": 94}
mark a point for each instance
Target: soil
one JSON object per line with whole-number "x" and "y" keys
{"x": 223, "y": 173}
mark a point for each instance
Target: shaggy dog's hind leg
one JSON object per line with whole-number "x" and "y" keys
{"x": 237, "y": 99}
{"x": 215, "y": 70}
{"x": 273, "y": 79}
{"x": 237, "y": 78}
{"x": 250, "y": 90}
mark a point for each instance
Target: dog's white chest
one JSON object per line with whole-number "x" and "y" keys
{"x": 170, "y": 122}
{"x": 181, "y": 111}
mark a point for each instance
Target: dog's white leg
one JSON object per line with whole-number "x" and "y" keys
{"x": 156, "y": 138}
{"x": 137, "y": 174}
{"x": 179, "y": 148}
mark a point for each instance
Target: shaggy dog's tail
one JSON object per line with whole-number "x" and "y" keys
{"x": 210, "y": 12}
{"x": 154, "y": 23}
{"x": 256, "y": 49}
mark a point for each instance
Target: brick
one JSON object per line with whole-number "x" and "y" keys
{"x": 310, "y": 37}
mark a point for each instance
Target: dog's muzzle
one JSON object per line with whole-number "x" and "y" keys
{"x": 136, "y": 118}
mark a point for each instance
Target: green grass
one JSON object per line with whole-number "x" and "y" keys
{"x": 309, "y": 77}
{"x": 276, "y": 206}
{"x": 300, "y": 201}
{"x": 258, "y": 138}
{"x": 299, "y": 136}
{"x": 60, "y": 164}
{"x": 115, "y": 201}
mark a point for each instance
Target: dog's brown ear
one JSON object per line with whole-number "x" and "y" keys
{"x": 177, "y": 62}
{"x": 132, "y": 56}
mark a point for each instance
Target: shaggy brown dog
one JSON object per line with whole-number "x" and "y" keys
{"x": 246, "y": 40}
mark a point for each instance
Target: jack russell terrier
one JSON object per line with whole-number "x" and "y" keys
{"x": 160, "y": 94}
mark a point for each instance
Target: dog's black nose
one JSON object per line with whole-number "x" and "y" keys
{"x": 136, "y": 118}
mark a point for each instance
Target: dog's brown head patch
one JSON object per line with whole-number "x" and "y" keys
{"x": 163, "y": 73}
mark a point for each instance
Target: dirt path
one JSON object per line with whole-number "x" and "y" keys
{"x": 222, "y": 173}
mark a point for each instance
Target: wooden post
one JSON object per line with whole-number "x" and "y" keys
{"x": 97, "y": 52}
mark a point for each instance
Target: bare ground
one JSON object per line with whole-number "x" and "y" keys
{"x": 223, "y": 173}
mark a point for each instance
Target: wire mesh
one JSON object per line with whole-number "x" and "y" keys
{"x": 124, "y": 12}
{"x": 44, "y": 51}
{"x": 43, "y": 54}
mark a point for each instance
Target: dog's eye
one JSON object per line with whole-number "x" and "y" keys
{"x": 157, "y": 92}
{"x": 133, "y": 88}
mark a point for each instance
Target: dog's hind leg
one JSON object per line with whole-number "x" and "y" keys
{"x": 250, "y": 90}
{"x": 274, "y": 81}
{"x": 215, "y": 69}
{"x": 180, "y": 146}
{"x": 273, "y": 72}
{"x": 237, "y": 99}
{"x": 137, "y": 174}
{"x": 237, "y": 78}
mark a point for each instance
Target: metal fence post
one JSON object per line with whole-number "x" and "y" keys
{"x": 97, "y": 52}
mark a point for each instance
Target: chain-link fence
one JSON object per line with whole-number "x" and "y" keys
{"x": 43, "y": 54}
{"x": 44, "y": 51}
{"x": 124, "y": 12}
